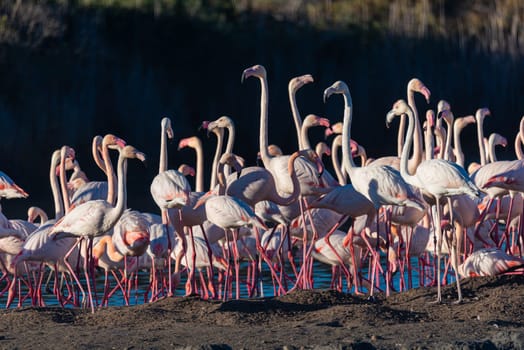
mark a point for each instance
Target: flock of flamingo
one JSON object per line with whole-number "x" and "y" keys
{"x": 417, "y": 212}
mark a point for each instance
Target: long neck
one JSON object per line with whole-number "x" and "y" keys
{"x": 459, "y": 155}
{"x": 163, "y": 150}
{"x": 416, "y": 158}
{"x": 121, "y": 201}
{"x": 401, "y": 132}
{"x": 518, "y": 146}
{"x": 447, "y": 151}
{"x": 491, "y": 150}
{"x": 429, "y": 141}
{"x": 304, "y": 136}
{"x": 96, "y": 155}
{"x": 296, "y": 116}
{"x": 229, "y": 146}
{"x": 480, "y": 135}
{"x": 519, "y": 139}
{"x": 199, "y": 186}
{"x": 111, "y": 177}
{"x": 63, "y": 185}
{"x": 296, "y": 185}
{"x": 106, "y": 244}
{"x": 264, "y": 154}
{"x": 219, "y": 132}
{"x": 334, "y": 159}
{"x": 407, "y": 148}
{"x": 347, "y": 158}
{"x": 55, "y": 186}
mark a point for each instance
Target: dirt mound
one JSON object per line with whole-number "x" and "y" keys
{"x": 489, "y": 318}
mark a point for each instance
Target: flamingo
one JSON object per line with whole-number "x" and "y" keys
{"x": 96, "y": 217}
{"x": 293, "y": 86}
{"x": 382, "y": 185}
{"x": 436, "y": 178}
{"x": 8, "y": 188}
{"x": 34, "y": 213}
{"x": 307, "y": 173}
{"x": 489, "y": 262}
{"x": 228, "y": 213}
{"x": 169, "y": 188}
{"x": 38, "y": 246}
{"x": 130, "y": 238}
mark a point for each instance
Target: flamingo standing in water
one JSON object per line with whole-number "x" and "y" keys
{"x": 130, "y": 238}
{"x": 436, "y": 178}
{"x": 169, "y": 189}
{"x": 95, "y": 218}
{"x": 382, "y": 185}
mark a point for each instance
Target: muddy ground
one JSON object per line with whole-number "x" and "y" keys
{"x": 490, "y": 317}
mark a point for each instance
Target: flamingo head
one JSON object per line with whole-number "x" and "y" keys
{"x": 447, "y": 115}
{"x": 274, "y": 150}
{"x": 187, "y": 142}
{"x": 186, "y": 170}
{"x": 353, "y": 146}
{"x": 256, "y": 71}
{"x": 166, "y": 127}
{"x": 130, "y": 152}
{"x": 297, "y": 82}
{"x": 315, "y": 120}
{"x": 400, "y": 107}
{"x": 322, "y": 148}
{"x": 498, "y": 139}
{"x": 111, "y": 139}
{"x": 417, "y": 85}
{"x": 430, "y": 118}
{"x": 443, "y": 105}
{"x": 137, "y": 241}
{"x": 222, "y": 122}
{"x": 461, "y": 123}
{"x": 338, "y": 87}
{"x": 481, "y": 113}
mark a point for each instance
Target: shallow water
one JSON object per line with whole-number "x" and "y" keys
{"x": 322, "y": 280}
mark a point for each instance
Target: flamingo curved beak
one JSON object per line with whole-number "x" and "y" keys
{"x": 425, "y": 91}
{"x": 328, "y": 92}
{"x": 324, "y": 122}
{"x": 389, "y": 117}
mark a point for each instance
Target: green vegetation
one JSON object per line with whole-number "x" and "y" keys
{"x": 495, "y": 25}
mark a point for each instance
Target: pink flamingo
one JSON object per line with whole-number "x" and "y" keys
{"x": 382, "y": 185}
{"x": 490, "y": 262}
{"x": 95, "y": 218}
{"x": 8, "y": 188}
{"x": 436, "y": 178}
{"x": 130, "y": 238}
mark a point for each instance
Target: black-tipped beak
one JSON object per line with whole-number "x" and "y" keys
{"x": 389, "y": 118}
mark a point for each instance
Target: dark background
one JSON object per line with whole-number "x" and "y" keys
{"x": 72, "y": 69}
